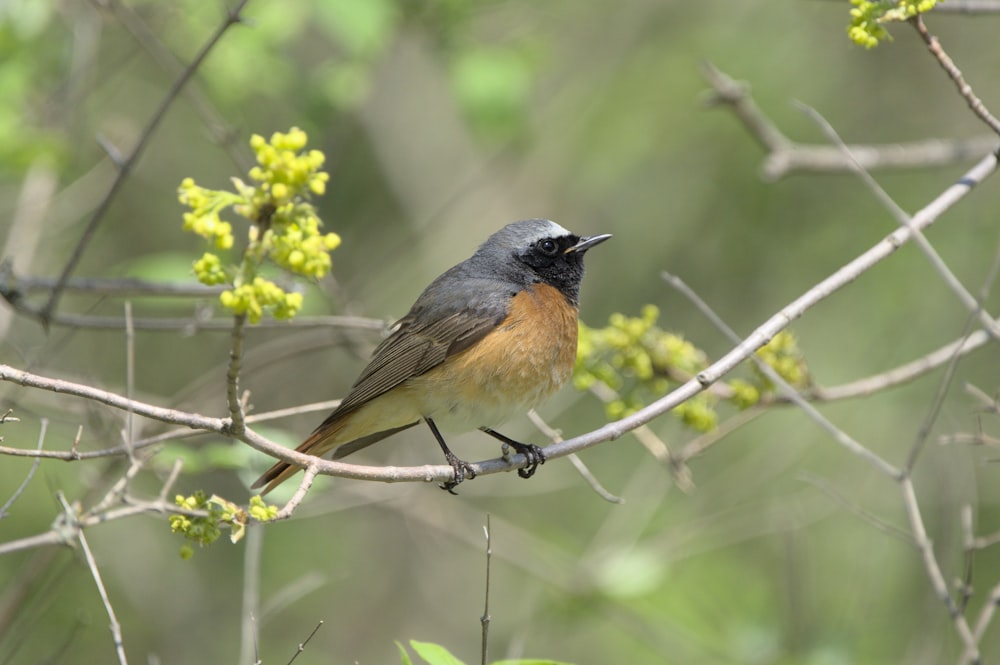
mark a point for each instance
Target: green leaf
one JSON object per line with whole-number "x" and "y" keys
{"x": 434, "y": 654}
{"x": 403, "y": 656}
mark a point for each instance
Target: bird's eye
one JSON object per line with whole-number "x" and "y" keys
{"x": 548, "y": 247}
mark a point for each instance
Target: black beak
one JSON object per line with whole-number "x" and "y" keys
{"x": 584, "y": 244}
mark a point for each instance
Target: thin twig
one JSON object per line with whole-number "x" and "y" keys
{"x": 969, "y": 545}
{"x": 945, "y": 384}
{"x": 31, "y": 472}
{"x": 302, "y": 645}
{"x": 937, "y": 580}
{"x": 129, "y": 378}
{"x": 237, "y": 424}
{"x": 254, "y": 543}
{"x": 307, "y": 480}
{"x": 967, "y": 7}
{"x": 872, "y": 519}
{"x": 116, "y": 627}
{"x": 903, "y": 373}
{"x": 14, "y": 285}
{"x": 786, "y": 389}
{"x": 484, "y": 620}
{"x": 971, "y": 303}
{"x": 172, "y": 435}
{"x": 556, "y": 436}
{"x": 784, "y": 156}
{"x": 124, "y": 169}
{"x": 703, "y": 442}
{"x": 986, "y": 614}
{"x": 220, "y": 130}
{"x": 955, "y": 74}
{"x": 189, "y": 325}
{"x": 653, "y": 444}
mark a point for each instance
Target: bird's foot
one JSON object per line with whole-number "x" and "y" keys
{"x": 534, "y": 454}
{"x": 461, "y": 469}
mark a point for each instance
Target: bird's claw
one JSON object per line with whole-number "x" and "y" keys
{"x": 461, "y": 470}
{"x": 534, "y": 454}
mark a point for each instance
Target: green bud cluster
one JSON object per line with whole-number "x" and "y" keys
{"x": 782, "y": 354}
{"x": 284, "y": 227}
{"x": 639, "y": 361}
{"x": 868, "y": 18}
{"x": 636, "y": 358}
{"x": 205, "y": 530}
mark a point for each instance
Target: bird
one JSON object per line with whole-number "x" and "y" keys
{"x": 492, "y": 337}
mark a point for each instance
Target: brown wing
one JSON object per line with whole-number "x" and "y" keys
{"x": 414, "y": 348}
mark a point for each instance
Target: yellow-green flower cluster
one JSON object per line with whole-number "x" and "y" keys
{"x": 209, "y": 270}
{"x": 261, "y": 295}
{"x": 284, "y": 169}
{"x": 868, "y": 18}
{"x": 300, "y": 248}
{"x": 638, "y": 361}
{"x": 285, "y": 228}
{"x": 635, "y": 358}
{"x": 199, "y": 530}
{"x": 206, "y": 204}
{"x": 783, "y": 355}
{"x": 205, "y": 530}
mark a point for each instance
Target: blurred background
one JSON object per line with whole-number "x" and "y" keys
{"x": 442, "y": 121}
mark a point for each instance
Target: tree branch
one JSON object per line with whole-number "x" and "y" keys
{"x": 785, "y": 156}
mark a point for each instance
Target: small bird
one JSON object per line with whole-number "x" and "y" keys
{"x": 491, "y": 337}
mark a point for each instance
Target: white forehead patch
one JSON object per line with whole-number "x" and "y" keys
{"x": 544, "y": 228}
{"x": 523, "y": 234}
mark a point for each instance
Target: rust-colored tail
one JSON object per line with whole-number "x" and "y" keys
{"x": 319, "y": 442}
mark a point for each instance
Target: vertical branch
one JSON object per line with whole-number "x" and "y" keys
{"x": 129, "y": 377}
{"x": 116, "y": 627}
{"x": 938, "y": 583}
{"x": 237, "y": 423}
{"x": 251, "y": 595}
{"x": 485, "y": 619}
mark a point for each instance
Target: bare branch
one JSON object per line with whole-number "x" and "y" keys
{"x": 955, "y": 74}
{"x": 237, "y": 424}
{"x": 903, "y": 219}
{"x": 787, "y": 390}
{"x": 302, "y": 646}
{"x": 116, "y": 628}
{"x": 903, "y": 373}
{"x": 300, "y": 493}
{"x": 967, "y": 7}
{"x": 253, "y": 543}
{"x": 937, "y": 580}
{"x": 485, "y": 619}
{"x": 31, "y": 472}
{"x": 785, "y": 156}
{"x": 555, "y": 436}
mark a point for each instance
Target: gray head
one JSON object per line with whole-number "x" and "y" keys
{"x": 536, "y": 251}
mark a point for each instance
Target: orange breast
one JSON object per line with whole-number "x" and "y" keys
{"x": 513, "y": 369}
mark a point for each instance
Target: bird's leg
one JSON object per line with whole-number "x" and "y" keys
{"x": 534, "y": 454}
{"x": 461, "y": 468}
